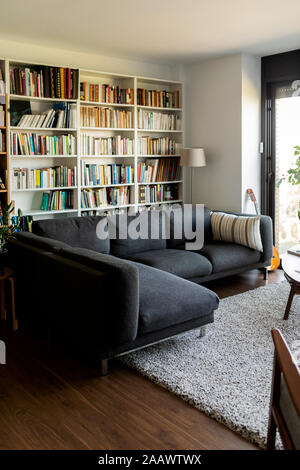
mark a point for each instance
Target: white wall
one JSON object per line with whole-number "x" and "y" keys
{"x": 251, "y": 159}
{"x": 223, "y": 116}
{"x": 46, "y": 55}
{"x": 213, "y": 117}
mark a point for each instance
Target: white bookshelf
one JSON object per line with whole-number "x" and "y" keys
{"x": 28, "y": 200}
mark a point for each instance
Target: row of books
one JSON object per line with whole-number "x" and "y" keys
{"x": 55, "y": 177}
{"x": 44, "y": 81}
{"x": 2, "y": 141}
{"x": 118, "y": 145}
{"x": 2, "y": 116}
{"x": 24, "y": 223}
{"x": 157, "y": 193}
{"x": 158, "y": 98}
{"x": 166, "y": 169}
{"x": 93, "y": 175}
{"x": 158, "y": 146}
{"x": 158, "y": 121}
{"x": 61, "y": 116}
{"x": 92, "y": 198}
{"x": 36, "y": 144}
{"x": 105, "y": 117}
{"x": 57, "y": 200}
{"x": 103, "y": 93}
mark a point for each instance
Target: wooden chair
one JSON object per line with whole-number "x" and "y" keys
{"x": 285, "y": 397}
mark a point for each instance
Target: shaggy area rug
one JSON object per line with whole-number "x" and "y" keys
{"x": 227, "y": 374}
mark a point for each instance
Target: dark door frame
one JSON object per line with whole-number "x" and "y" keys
{"x": 275, "y": 70}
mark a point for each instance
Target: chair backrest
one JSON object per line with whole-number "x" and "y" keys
{"x": 285, "y": 397}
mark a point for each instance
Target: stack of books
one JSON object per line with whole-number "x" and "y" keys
{"x": 167, "y": 169}
{"x": 106, "y": 146}
{"x": 158, "y": 146}
{"x": 93, "y": 175}
{"x": 158, "y": 121}
{"x": 105, "y": 93}
{"x": 57, "y": 200}
{"x": 30, "y": 178}
{"x": 44, "y": 81}
{"x": 158, "y": 98}
{"x": 157, "y": 193}
{"x": 105, "y": 117}
{"x": 61, "y": 116}
{"x": 36, "y": 144}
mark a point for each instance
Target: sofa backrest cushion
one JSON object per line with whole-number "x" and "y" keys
{"x": 44, "y": 243}
{"x": 127, "y": 245}
{"x": 179, "y": 243}
{"x": 80, "y": 232}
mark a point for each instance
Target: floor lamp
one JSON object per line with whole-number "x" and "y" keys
{"x": 193, "y": 157}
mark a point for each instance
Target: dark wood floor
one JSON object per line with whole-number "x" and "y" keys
{"x": 50, "y": 401}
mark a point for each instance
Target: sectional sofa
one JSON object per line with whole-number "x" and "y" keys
{"x": 110, "y": 296}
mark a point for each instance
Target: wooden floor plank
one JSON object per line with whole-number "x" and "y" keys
{"x": 52, "y": 401}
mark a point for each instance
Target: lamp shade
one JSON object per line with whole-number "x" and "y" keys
{"x": 193, "y": 157}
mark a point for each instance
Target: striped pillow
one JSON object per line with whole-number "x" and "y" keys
{"x": 238, "y": 229}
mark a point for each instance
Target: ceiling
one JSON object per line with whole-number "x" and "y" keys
{"x": 170, "y": 31}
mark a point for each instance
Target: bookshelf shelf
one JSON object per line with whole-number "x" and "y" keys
{"x": 36, "y": 212}
{"x": 158, "y": 203}
{"x": 119, "y": 129}
{"x": 106, "y": 185}
{"x": 107, "y": 156}
{"x": 105, "y": 208}
{"x": 44, "y": 129}
{"x": 40, "y": 98}
{"x": 107, "y": 105}
{"x": 106, "y": 87}
{"x": 42, "y": 156}
{"x": 160, "y": 182}
{"x": 44, "y": 189}
{"x": 159, "y": 156}
{"x": 159, "y": 108}
{"x": 158, "y": 131}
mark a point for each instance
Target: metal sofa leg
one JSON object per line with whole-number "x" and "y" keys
{"x": 103, "y": 367}
{"x": 202, "y": 331}
{"x": 266, "y": 273}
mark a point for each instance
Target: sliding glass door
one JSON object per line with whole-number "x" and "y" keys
{"x": 284, "y": 128}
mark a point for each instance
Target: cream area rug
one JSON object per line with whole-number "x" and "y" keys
{"x": 227, "y": 374}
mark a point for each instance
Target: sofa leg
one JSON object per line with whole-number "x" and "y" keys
{"x": 266, "y": 273}
{"x": 103, "y": 367}
{"x": 202, "y": 331}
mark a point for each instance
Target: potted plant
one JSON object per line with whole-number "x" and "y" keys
{"x": 7, "y": 230}
{"x": 293, "y": 174}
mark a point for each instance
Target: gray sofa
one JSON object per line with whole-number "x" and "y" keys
{"x": 110, "y": 296}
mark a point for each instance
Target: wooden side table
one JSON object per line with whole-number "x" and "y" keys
{"x": 8, "y": 275}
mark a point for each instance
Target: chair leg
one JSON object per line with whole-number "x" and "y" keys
{"x": 202, "y": 331}
{"x": 13, "y": 305}
{"x": 103, "y": 367}
{"x": 2, "y": 301}
{"x": 271, "y": 433}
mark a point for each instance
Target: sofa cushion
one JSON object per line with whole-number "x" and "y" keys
{"x": 46, "y": 244}
{"x": 244, "y": 230}
{"x": 186, "y": 264}
{"x": 225, "y": 256}
{"x": 179, "y": 243}
{"x": 75, "y": 231}
{"x": 167, "y": 300}
{"x": 123, "y": 247}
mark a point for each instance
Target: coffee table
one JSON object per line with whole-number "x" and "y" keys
{"x": 291, "y": 268}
